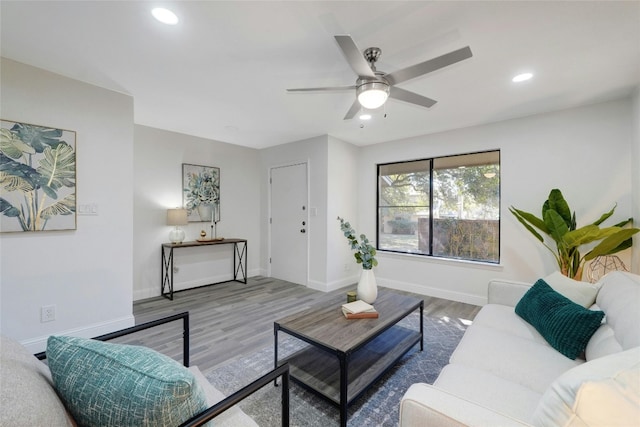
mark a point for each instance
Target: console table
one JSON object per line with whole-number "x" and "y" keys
{"x": 239, "y": 261}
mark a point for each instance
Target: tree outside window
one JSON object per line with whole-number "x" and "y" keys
{"x": 446, "y": 207}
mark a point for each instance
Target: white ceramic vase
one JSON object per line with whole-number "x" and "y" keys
{"x": 205, "y": 211}
{"x": 367, "y": 287}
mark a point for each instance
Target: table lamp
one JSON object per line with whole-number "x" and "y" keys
{"x": 176, "y": 217}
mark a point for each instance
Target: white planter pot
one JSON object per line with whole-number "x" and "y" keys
{"x": 367, "y": 287}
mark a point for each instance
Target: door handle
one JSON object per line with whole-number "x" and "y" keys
{"x": 303, "y": 231}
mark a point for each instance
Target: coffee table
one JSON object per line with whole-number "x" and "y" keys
{"x": 346, "y": 356}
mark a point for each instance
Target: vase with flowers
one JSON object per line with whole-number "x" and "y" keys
{"x": 364, "y": 254}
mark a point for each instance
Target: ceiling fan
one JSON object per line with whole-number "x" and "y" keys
{"x": 373, "y": 87}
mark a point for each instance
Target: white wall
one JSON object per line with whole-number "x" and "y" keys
{"x": 158, "y": 156}
{"x": 342, "y": 201}
{"x": 314, "y": 152}
{"x": 89, "y": 273}
{"x": 586, "y": 152}
{"x": 86, "y": 273}
{"x": 635, "y": 179}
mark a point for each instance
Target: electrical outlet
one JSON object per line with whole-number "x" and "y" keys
{"x": 47, "y": 313}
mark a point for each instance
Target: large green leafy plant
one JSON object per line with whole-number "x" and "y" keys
{"x": 35, "y": 166}
{"x": 365, "y": 252}
{"x": 559, "y": 224}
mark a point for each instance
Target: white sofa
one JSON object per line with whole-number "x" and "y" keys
{"x": 504, "y": 373}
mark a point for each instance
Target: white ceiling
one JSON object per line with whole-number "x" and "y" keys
{"x": 221, "y": 73}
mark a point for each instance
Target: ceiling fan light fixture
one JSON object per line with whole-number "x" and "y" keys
{"x": 165, "y": 16}
{"x": 372, "y": 95}
{"x": 522, "y": 77}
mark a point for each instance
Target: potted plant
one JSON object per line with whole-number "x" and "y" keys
{"x": 365, "y": 255}
{"x": 559, "y": 224}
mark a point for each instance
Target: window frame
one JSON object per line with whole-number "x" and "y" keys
{"x": 432, "y": 161}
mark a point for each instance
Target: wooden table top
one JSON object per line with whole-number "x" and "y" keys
{"x": 325, "y": 324}
{"x": 203, "y": 243}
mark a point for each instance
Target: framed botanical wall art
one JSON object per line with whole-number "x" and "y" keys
{"x": 37, "y": 178}
{"x": 201, "y": 192}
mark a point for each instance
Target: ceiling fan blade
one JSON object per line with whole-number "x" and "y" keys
{"x": 355, "y": 107}
{"x": 428, "y": 66}
{"x": 320, "y": 89}
{"x": 354, "y": 56}
{"x": 410, "y": 97}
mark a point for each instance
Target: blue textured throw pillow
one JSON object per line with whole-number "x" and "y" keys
{"x": 565, "y": 325}
{"x": 106, "y": 384}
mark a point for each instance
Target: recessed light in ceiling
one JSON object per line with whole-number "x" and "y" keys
{"x": 165, "y": 16}
{"x": 365, "y": 116}
{"x": 522, "y": 77}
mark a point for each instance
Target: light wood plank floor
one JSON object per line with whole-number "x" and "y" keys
{"x": 232, "y": 319}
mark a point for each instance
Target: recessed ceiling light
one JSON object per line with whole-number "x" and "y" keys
{"x": 522, "y": 77}
{"x": 365, "y": 116}
{"x": 165, "y": 16}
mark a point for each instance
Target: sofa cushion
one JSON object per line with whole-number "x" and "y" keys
{"x": 487, "y": 389}
{"x": 582, "y": 293}
{"x": 566, "y": 325}
{"x": 504, "y": 318}
{"x": 532, "y": 364}
{"x": 605, "y": 391}
{"x": 105, "y": 384}
{"x": 618, "y": 298}
{"x": 27, "y": 396}
{"x": 424, "y": 405}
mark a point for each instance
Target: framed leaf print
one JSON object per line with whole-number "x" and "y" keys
{"x": 37, "y": 178}
{"x": 201, "y": 192}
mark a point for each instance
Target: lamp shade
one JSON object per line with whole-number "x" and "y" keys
{"x": 372, "y": 95}
{"x": 177, "y": 216}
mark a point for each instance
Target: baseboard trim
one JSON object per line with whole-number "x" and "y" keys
{"x": 315, "y": 285}
{"x": 401, "y": 286}
{"x": 147, "y": 293}
{"x": 36, "y": 345}
{"x": 431, "y": 292}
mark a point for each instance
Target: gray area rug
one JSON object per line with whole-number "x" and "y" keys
{"x": 376, "y": 407}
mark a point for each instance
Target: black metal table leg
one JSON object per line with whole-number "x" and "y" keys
{"x": 421, "y": 325}
{"x": 344, "y": 377}
{"x": 275, "y": 351}
{"x": 167, "y": 273}
{"x": 240, "y": 262}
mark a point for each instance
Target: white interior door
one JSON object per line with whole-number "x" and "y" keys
{"x": 289, "y": 223}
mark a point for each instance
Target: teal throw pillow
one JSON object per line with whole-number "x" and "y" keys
{"x": 106, "y": 384}
{"x": 565, "y": 325}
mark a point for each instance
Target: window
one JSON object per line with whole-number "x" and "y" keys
{"x": 445, "y": 207}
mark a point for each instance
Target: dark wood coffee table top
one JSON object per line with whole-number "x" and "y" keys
{"x": 325, "y": 323}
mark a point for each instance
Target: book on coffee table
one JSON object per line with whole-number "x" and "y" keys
{"x": 359, "y": 310}
{"x": 368, "y": 314}
{"x": 356, "y": 306}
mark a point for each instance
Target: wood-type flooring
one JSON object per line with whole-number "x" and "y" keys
{"x": 231, "y": 320}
